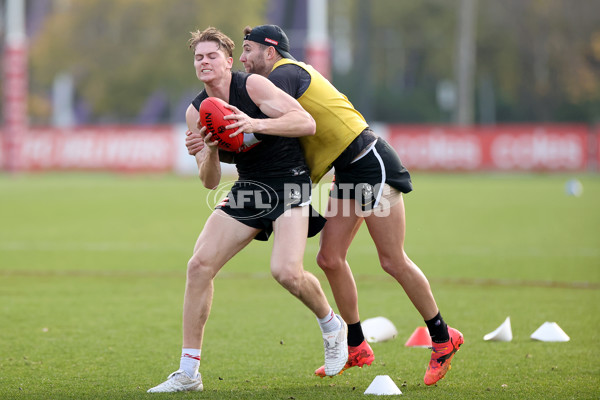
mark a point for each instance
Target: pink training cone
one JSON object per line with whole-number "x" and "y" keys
{"x": 419, "y": 338}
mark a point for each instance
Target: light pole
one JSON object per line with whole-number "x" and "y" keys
{"x": 465, "y": 62}
{"x": 15, "y": 83}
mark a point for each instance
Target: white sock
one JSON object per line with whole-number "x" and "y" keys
{"x": 190, "y": 361}
{"x": 329, "y": 323}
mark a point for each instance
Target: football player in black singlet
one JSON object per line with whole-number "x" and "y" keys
{"x": 274, "y": 174}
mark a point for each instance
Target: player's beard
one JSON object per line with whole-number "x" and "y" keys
{"x": 259, "y": 67}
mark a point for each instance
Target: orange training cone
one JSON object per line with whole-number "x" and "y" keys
{"x": 419, "y": 338}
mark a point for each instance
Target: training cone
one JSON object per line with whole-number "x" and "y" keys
{"x": 502, "y": 334}
{"x": 378, "y": 329}
{"x": 550, "y": 332}
{"x": 419, "y": 338}
{"x": 383, "y": 385}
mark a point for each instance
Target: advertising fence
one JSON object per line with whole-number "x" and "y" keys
{"x": 518, "y": 147}
{"x": 498, "y": 148}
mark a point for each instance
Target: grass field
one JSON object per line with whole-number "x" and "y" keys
{"x": 92, "y": 272}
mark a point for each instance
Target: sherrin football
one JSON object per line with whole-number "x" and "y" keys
{"x": 212, "y": 111}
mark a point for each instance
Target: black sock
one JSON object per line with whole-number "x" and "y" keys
{"x": 438, "y": 330}
{"x": 355, "y": 334}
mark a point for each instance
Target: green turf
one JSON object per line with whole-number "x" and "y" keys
{"x": 92, "y": 271}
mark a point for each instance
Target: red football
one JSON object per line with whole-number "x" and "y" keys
{"x": 212, "y": 111}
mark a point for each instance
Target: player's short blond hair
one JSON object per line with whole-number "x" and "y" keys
{"x": 212, "y": 34}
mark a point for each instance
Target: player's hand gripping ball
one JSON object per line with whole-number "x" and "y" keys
{"x": 212, "y": 111}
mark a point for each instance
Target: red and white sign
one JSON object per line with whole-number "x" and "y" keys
{"x": 520, "y": 147}
{"x": 555, "y": 147}
{"x": 436, "y": 147}
{"x": 540, "y": 149}
{"x": 118, "y": 148}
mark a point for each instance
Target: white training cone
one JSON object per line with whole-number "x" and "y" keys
{"x": 378, "y": 329}
{"x": 502, "y": 334}
{"x": 383, "y": 385}
{"x": 550, "y": 332}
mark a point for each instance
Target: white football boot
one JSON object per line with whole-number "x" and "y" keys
{"x": 336, "y": 349}
{"x": 179, "y": 381}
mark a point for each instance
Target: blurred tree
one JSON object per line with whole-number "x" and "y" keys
{"x": 411, "y": 47}
{"x": 122, "y": 51}
{"x": 539, "y": 60}
{"x": 543, "y": 58}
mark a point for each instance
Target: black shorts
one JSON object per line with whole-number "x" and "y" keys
{"x": 363, "y": 178}
{"x": 257, "y": 203}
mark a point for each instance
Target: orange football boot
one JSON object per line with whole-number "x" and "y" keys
{"x": 441, "y": 356}
{"x": 357, "y": 357}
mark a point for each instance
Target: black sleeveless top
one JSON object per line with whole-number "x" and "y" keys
{"x": 274, "y": 156}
